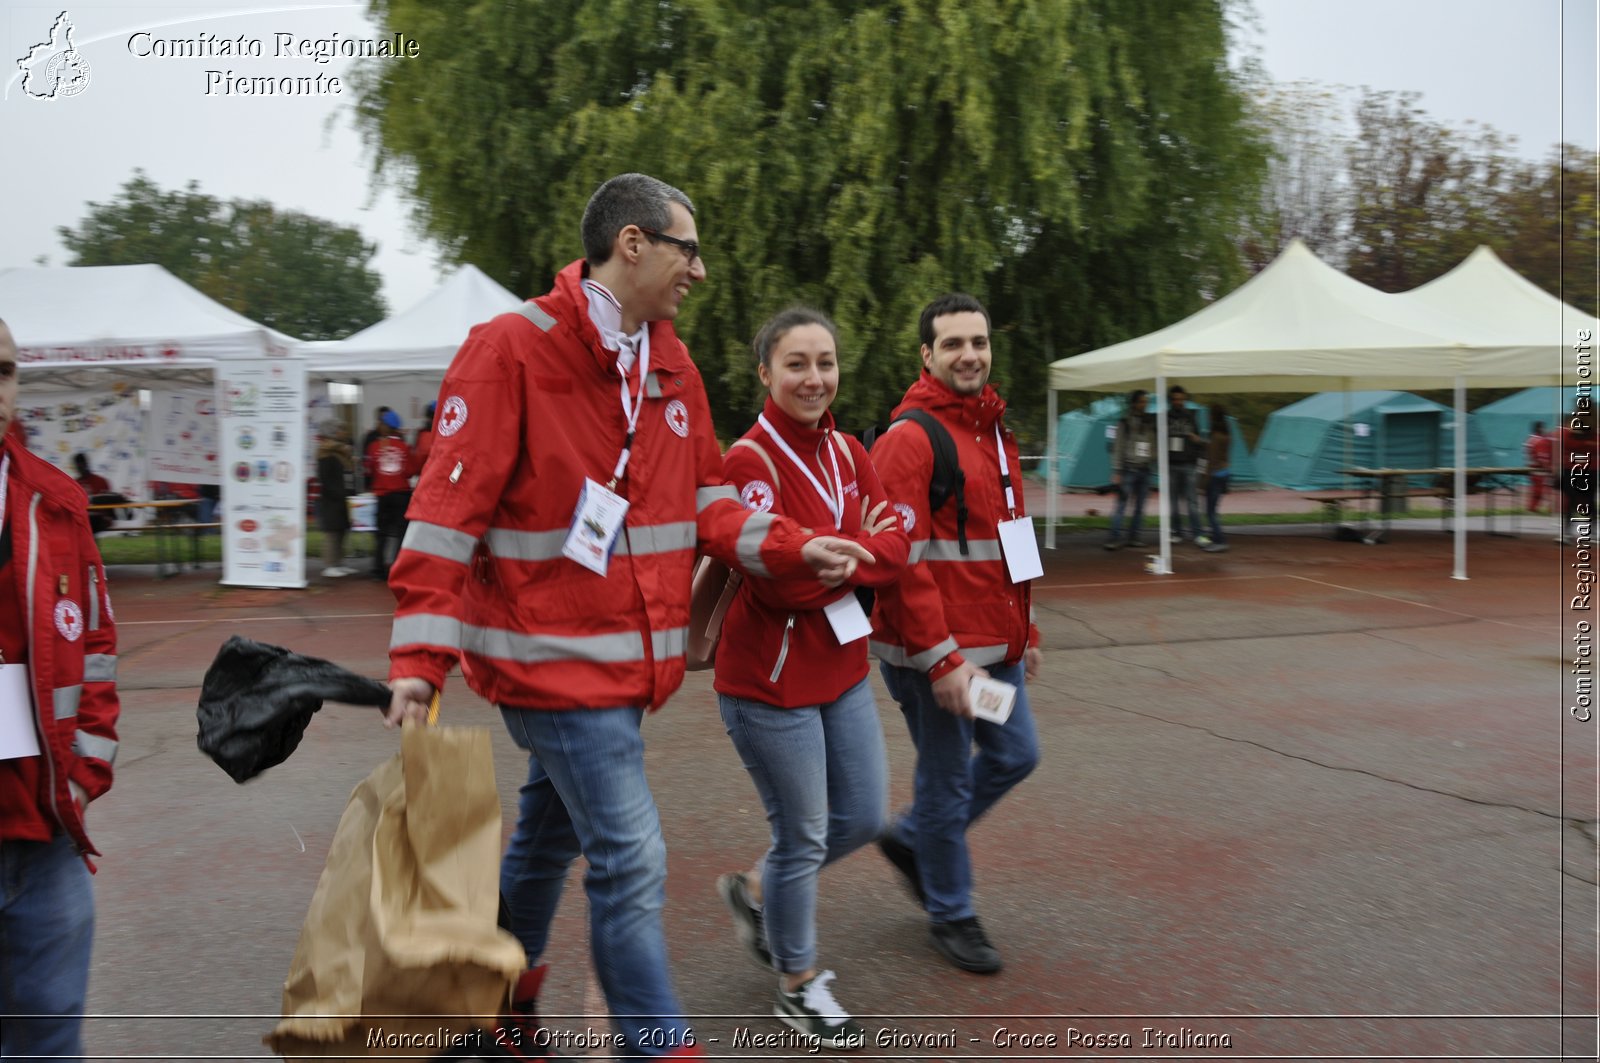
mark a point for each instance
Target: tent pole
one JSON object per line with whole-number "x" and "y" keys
{"x": 1349, "y": 446}
{"x": 1051, "y": 473}
{"x": 1461, "y": 479}
{"x": 1163, "y": 526}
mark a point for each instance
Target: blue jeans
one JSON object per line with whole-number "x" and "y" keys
{"x": 954, "y": 786}
{"x": 586, "y": 792}
{"x": 824, "y": 778}
{"x": 1184, "y": 494}
{"x": 1135, "y": 486}
{"x": 46, "y": 930}
{"x": 1216, "y": 487}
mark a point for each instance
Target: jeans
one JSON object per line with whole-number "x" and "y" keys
{"x": 823, "y": 776}
{"x": 1216, "y": 487}
{"x": 392, "y": 526}
{"x": 1136, "y": 486}
{"x": 46, "y": 930}
{"x": 954, "y": 786}
{"x": 586, "y": 792}
{"x": 1184, "y": 494}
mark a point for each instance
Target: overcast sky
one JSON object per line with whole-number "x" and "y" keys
{"x": 1494, "y": 62}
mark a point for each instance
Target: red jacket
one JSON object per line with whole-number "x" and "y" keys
{"x": 392, "y": 465}
{"x": 777, "y": 646}
{"x": 529, "y": 408}
{"x": 59, "y": 586}
{"x": 947, "y": 600}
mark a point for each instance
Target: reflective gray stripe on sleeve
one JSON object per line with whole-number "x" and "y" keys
{"x": 532, "y": 312}
{"x": 94, "y": 599}
{"x": 99, "y": 668}
{"x": 546, "y": 545}
{"x": 428, "y": 629}
{"x": 439, "y": 541}
{"x": 751, "y": 536}
{"x": 704, "y": 496}
{"x": 670, "y": 643}
{"x": 977, "y": 550}
{"x": 617, "y": 648}
{"x": 65, "y": 701}
{"x": 87, "y": 745}
{"x": 984, "y": 656}
{"x": 660, "y": 538}
{"x": 918, "y": 549}
{"x": 896, "y": 655}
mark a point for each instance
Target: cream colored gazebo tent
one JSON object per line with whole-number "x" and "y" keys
{"x": 1301, "y": 326}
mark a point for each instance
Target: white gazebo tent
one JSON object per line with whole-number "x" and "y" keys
{"x": 412, "y": 349}
{"x": 1300, "y": 325}
{"x": 76, "y": 325}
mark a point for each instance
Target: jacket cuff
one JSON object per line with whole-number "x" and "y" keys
{"x": 431, "y": 667}
{"x": 945, "y": 665}
{"x": 1033, "y": 636}
{"x": 91, "y": 774}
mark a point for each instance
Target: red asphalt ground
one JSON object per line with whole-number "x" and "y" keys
{"x": 1313, "y": 797}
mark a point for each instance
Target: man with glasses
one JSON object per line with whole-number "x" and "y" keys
{"x": 573, "y": 477}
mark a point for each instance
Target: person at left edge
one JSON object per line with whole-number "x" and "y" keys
{"x": 585, "y": 390}
{"x": 57, "y": 634}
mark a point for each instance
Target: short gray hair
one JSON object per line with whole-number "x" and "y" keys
{"x": 627, "y": 199}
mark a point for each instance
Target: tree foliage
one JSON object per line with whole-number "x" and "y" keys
{"x": 1081, "y": 165}
{"x": 303, "y": 276}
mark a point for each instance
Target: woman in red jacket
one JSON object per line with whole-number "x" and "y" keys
{"x": 791, "y": 670}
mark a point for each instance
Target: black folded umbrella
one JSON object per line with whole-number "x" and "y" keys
{"x": 256, "y": 701}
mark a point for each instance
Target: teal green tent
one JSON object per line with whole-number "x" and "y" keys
{"x": 1083, "y": 444}
{"x": 1506, "y": 423}
{"x": 1304, "y": 445}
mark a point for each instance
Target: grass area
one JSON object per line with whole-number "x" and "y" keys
{"x": 122, "y": 548}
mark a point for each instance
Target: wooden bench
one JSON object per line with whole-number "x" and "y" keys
{"x": 1333, "y": 503}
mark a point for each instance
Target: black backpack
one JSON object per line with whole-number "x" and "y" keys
{"x": 948, "y": 479}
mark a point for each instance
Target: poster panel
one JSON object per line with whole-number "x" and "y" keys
{"x": 105, "y": 426}
{"x": 262, "y": 432}
{"x": 183, "y": 436}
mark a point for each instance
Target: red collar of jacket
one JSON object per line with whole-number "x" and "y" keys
{"x": 806, "y": 441}
{"x": 928, "y": 393}
{"x": 568, "y": 304}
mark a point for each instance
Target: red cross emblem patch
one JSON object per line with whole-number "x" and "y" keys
{"x": 757, "y": 495}
{"x": 678, "y": 418}
{"x": 452, "y": 415}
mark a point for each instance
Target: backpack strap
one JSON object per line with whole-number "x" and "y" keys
{"x": 772, "y": 470}
{"x": 948, "y": 476}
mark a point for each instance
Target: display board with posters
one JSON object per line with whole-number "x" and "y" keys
{"x": 183, "y": 436}
{"x": 262, "y": 432}
{"x": 105, "y": 426}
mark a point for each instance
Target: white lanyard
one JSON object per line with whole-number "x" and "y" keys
{"x": 834, "y": 500}
{"x": 631, "y": 411}
{"x": 1005, "y": 471}
{"x": 5, "y": 477}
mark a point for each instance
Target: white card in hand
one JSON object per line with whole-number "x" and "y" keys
{"x": 1021, "y": 549}
{"x": 992, "y": 699}
{"x": 848, "y": 619}
{"x": 18, "y": 738}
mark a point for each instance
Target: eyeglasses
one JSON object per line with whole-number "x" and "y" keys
{"x": 690, "y": 248}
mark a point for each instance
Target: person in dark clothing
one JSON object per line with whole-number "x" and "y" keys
{"x": 334, "y": 465}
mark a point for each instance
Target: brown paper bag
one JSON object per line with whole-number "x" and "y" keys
{"x": 400, "y": 954}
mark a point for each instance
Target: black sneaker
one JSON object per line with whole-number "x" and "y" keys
{"x": 519, "y": 1034}
{"x": 1134, "y": 544}
{"x": 747, "y": 924}
{"x": 904, "y": 860}
{"x": 964, "y": 944}
{"x": 812, "y": 1012}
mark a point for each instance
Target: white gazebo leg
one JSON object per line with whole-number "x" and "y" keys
{"x": 1051, "y": 473}
{"x": 1163, "y": 526}
{"x": 1461, "y": 480}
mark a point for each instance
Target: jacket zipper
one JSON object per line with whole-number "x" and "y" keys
{"x": 783, "y": 650}
{"x": 93, "y": 584}
{"x": 44, "y": 739}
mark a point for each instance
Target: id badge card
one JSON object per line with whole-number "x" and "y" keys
{"x": 18, "y": 738}
{"x": 1175, "y": 444}
{"x": 595, "y": 527}
{"x": 992, "y": 699}
{"x": 1141, "y": 450}
{"x": 1021, "y": 549}
{"x": 848, "y": 620}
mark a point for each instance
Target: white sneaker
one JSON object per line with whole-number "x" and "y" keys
{"x": 813, "y": 1012}
{"x": 335, "y": 572}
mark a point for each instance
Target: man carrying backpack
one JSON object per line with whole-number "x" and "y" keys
{"x": 960, "y": 609}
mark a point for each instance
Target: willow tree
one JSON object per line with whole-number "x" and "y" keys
{"x": 1081, "y": 165}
